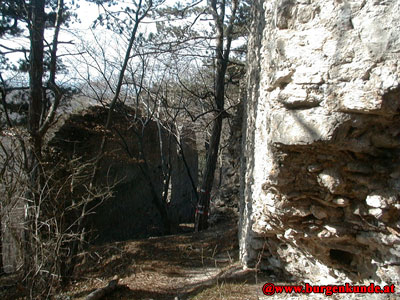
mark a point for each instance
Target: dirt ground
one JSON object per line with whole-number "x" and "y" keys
{"x": 184, "y": 266}
{"x": 188, "y": 266}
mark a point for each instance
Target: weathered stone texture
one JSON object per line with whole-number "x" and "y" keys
{"x": 321, "y": 153}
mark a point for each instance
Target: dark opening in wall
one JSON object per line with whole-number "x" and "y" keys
{"x": 391, "y": 100}
{"x": 341, "y": 257}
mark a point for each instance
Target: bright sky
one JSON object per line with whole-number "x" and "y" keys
{"x": 87, "y": 14}
{"x": 82, "y": 35}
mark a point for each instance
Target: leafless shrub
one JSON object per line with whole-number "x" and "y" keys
{"x": 45, "y": 234}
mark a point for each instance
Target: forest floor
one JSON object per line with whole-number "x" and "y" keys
{"x": 195, "y": 266}
{"x": 186, "y": 266}
{"x": 189, "y": 266}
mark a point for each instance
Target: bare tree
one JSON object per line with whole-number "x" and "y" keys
{"x": 54, "y": 219}
{"x": 129, "y": 83}
{"x": 222, "y": 51}
{"x": 50, "y": 204}
{"x": 136, "y": 14}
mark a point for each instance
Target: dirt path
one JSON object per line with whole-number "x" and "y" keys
{"x": 188, "y": 266}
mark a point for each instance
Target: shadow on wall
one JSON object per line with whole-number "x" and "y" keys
{"x": 132, "y": 158}
{"x": 335, "y": 195}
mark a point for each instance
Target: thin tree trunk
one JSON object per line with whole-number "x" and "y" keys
{"x": 201, "y": 221}
{"x": 158, "y": 203}
{"x": 36, "y": 32}
{"x": 49, "y": 118}
{"x": 179, "y": 143}
{"x": 165, "y": 163}
{"x": 222, "y": 57}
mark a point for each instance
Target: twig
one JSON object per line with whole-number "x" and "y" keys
{"x": 100, "y": 293}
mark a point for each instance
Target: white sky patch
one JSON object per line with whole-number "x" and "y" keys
{"x": 81, "y": 37}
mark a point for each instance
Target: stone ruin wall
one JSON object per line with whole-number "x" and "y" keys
{"x": 131, "y": 213}
{"x": 321, "y": 145}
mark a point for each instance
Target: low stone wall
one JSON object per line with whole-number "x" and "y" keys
{"x": 321, "y": 153}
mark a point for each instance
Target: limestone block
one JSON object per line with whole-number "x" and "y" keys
{"x": 381, "y": 199}
{"x": 279, "y": 78}
{"x": 302, "y": 127}
{"x": 355, "y": 97}
{"x": 331, "y": 180}
{"x": 319, "y": 212}
{"x": 307, "y": 75}
{"x": 376, "y": 212}
{"x": 314, "y": 168}
{"x": 341, "y": 202}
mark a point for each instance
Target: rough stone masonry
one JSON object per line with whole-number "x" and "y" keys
{"x": 321, "y": 143}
